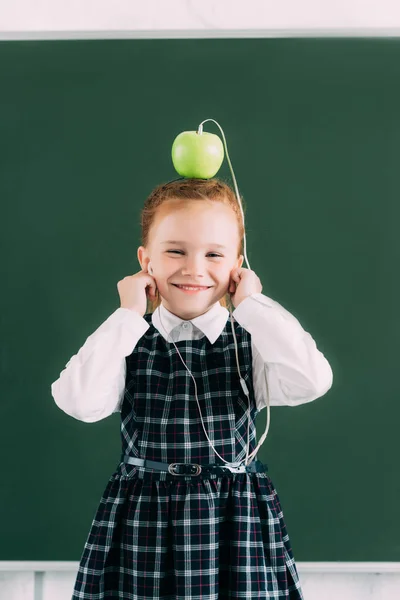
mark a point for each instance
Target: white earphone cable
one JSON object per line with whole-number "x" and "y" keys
{"x": 249, "y": 457}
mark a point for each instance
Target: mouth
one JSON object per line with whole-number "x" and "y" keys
{"x": 193, "y": 289}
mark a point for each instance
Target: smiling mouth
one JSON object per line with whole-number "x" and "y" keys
{"x": 202, "y": 287}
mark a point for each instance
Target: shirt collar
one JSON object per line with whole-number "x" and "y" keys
{"x": 210, "y": 323}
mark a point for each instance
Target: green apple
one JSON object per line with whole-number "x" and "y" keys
{"x": 197, "y": 155}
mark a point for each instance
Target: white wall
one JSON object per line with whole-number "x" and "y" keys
{"x": 205, "y": 17}
{"x": 329, "y": 581}
{"x": 55, "y": 19}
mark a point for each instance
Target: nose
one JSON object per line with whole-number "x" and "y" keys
{"x": 194, "y": 267}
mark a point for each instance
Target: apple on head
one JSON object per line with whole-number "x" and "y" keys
{"x": 198, "y": 155}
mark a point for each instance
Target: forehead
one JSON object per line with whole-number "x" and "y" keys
{"x": 196, "y": 223}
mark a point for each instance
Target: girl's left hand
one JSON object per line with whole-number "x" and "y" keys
{"x": 243, "y": 283}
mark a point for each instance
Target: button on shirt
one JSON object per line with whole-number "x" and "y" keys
{"x": 92, "y": 385}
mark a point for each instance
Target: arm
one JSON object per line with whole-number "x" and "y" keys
{"x": 92, "y": 384}
{"x": 296, "y": 370}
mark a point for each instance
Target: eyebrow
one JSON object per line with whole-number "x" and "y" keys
{"x": 181, "y": 242}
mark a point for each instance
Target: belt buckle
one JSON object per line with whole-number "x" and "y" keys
{"x": 172, "y": 465}
{"x": 235, "y": 468}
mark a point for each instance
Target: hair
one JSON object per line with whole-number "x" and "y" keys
{"x": 189, "y": 190}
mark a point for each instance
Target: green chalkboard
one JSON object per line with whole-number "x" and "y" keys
{"x": 313, "y": 130}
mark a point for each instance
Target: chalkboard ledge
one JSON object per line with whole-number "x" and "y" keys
{"x": 303, "y": 567}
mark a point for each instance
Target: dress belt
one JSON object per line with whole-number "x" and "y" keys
{"x": 193, "y": 468}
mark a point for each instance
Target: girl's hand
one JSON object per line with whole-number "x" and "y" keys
{"x": 244, "y": 283}
{"x": 133, "y": 291}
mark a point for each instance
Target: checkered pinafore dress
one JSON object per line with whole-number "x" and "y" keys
{"x": 175, "y": 537}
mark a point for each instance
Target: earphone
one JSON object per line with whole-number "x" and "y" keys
{"x": 249, "y": 457}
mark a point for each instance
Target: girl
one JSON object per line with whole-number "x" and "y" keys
{"x": 187, "y": 514}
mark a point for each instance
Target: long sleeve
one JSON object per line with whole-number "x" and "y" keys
{"x": 297, "y": 372}
{"x": 92, "y": 384}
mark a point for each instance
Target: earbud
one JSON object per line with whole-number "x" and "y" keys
{"x": 150, "y": 268}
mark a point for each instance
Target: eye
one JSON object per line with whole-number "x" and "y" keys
{"x": 179, "y": 252}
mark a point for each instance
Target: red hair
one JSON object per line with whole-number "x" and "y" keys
{"x": 188, "y": 190}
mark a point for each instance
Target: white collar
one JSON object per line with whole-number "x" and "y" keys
{"x": 211, "y": 323}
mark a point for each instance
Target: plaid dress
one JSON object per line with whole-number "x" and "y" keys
{"x": 212, "y": 536}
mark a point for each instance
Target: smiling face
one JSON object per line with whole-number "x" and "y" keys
{"x": 206, "y": 254}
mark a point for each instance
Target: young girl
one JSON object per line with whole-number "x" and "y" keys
{"x": 186, "y": 514}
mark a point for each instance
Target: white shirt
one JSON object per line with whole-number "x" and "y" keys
{"x": 91, "y": 387}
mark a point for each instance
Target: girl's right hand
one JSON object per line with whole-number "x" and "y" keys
{"x": 133, "y": 291}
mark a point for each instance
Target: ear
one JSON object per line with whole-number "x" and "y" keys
{"x": 142, "y": 256}
{"x": 240, "y": 261}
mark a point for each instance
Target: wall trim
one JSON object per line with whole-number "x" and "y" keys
{"x": 392, "y": 32}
